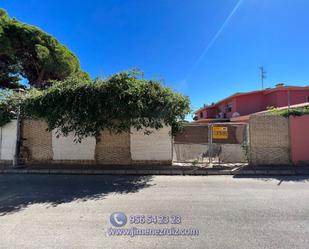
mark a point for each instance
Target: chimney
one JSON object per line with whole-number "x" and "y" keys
{"x": 280, "y": 85}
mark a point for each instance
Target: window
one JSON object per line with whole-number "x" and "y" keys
{"x": 201, "y": 115}
{"x": 229, "y": 108}
{"x": 307, "y": 98}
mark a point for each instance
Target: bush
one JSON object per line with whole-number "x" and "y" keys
{"x": 299, "y": 111}
{"x": 116, "y": 104}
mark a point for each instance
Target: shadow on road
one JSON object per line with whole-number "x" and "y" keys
{"x": 280, "y": 178}
{"x": 19, "y": 191}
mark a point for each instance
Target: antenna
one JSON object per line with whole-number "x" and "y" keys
{"x": 263, "y": 76}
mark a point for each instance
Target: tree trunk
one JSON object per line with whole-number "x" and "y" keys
{"x": 39, "y": 82}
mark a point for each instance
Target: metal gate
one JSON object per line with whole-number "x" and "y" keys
{"x": 221, "y": 152}
{"x": 213, "y": 143}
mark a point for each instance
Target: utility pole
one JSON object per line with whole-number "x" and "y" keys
{"x": 263, "y": 76}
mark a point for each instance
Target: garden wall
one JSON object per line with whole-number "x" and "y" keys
{"x": 154, "y": 148}
{"x": 42, "y": 146}
{"x": 269, "y": 140}
{"x": 37, "y": 141}
{"x": 299, "y": 130}
{"x": 198, "y": 134}
{"x": 7, "y": 141}
{"x": 65, "y": 148}
{"x": 113, "y": 148}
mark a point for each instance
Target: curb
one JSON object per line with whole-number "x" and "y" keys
{"x": 209, "y": 172}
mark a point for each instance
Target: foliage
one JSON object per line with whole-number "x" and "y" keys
{"x": 299, "y": 111}
{"x": 270, "y": 108}
{"x": 28, "y": 52}
{"x": 195, "y": 162}
{"x": 8, "y": 106}
{"x": 116, "y": 104}
{"x": 5, "y": 114}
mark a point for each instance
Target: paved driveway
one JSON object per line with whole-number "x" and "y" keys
{"x": 56, "y": 211}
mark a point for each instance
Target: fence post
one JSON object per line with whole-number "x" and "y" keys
{"x": 246, "y": 142}
{"x": 210, "y": 143}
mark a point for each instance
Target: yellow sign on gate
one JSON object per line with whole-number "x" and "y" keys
{"x": 220, "y": 132}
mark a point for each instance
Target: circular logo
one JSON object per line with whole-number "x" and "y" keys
{"x": 118, "y": 219}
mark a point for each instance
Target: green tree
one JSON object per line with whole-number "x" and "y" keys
{"x": 116, "y": 104}
{"x": 28, "y": 52}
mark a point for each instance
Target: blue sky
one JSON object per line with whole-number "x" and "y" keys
{"x": 205, "y": 49}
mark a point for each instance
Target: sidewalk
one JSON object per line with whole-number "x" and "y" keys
{"x": 157, "y": 170}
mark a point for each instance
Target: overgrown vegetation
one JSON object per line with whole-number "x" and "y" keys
{"x": 298, "y": 111}
{"x": 87, "y": 107}
{"x": 8, "y": 106}
{"x": 28, "y": 52}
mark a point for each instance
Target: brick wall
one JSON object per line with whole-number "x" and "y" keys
{"x": 195, "y": 134}
{"x": 269, "y": 140}
{"x": 113, "y": 148}
{"x": 65, "y": 148}
{"x": 37, "y": 141}
{"x": 155, "y": 148}
{"x": 40, "y": 145}
{"x": 198, "y": 134}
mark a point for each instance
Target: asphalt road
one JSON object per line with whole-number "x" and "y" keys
{"x": 55, "y": 211}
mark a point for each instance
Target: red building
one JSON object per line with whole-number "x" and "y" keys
{"x": 238, "y": 106}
